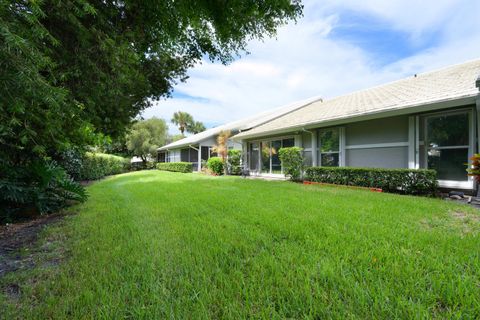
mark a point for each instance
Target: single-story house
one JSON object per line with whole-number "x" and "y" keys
{"x": 199, "y": 146}
{"x": 429, "y": 120}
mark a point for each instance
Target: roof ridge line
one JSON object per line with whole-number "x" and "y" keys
{"x": 404, "y": 79}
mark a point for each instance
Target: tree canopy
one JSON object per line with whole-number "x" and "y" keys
{"x": 196, "y": 127}
{"x": 74, "y": 68}
{"x": 185, "y": 123}
{"x": 146, "y": 136}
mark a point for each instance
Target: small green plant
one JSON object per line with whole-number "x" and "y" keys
{"x": 292, "y": 162}
{"x": 184, "y": 167}
{"x": 233, "y": 162}
{"x": 215, "y": 165}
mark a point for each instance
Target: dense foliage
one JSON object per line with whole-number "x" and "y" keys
{"x": 145, "y": 137}
{"x": 98, "y": 165}
{"x": 407, "y": 181}
{"x": 233, "y": 162}
{"x": 74, "y": 66}
{"x": 292, "y": 162}
{"x": 216, "y": 165}
{"x": 42, "y": 187}
{"x": 184, "y": 167}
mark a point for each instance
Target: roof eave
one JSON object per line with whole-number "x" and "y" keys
{"x": 423, "y": 107}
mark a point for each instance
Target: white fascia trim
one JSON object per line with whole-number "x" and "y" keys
{"x": 378, "y": 145}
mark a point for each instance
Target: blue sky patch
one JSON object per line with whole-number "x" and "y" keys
{"x": 376, "y": 37}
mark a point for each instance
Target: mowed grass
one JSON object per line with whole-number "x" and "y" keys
{"x": 157, "y": 245}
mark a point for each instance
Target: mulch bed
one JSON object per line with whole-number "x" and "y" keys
{"x": 17, "y": 242}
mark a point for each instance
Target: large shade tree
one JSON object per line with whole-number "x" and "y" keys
{"x": 72, "y": 68}
{"x": 146, "y": 136}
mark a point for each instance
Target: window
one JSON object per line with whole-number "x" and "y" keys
{"x": 447, "y": 145}
{"x": 329, "y": 147}
{"x": 287, "y": 143}
{"x": 162, "y": 157}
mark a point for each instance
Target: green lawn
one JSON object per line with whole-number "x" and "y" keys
{"x": 158, "y": 245}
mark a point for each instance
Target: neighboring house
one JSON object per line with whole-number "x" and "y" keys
{"x": 429, "y": 120}
{"x": 199, "y": 146}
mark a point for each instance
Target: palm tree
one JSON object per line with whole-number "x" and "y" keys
{"x": 182, "y": 120}
{"x": 221, "y": 148}
{"x": 196, "y": 127}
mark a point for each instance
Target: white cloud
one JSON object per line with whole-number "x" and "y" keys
{"x": 306, "y": 60}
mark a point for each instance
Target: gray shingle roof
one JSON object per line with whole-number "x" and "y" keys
{"x": 243, "y": 124}
{"x": 451, "y": 83}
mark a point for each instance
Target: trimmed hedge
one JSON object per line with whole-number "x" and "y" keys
{"x": 98, "y": 165}
{"x": 215, "y": 164}
{"x": 184, "y": 167}
{"x": 406, "y": 181}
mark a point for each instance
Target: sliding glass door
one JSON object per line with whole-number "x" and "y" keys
{"x": 263, "y": 156}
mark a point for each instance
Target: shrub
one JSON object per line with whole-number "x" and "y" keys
{"x": 72, "y": 161}
{"x": 215, "y": 164}
{"x": 36, "y": 188}
{"x": 292, "y": 162}
{"x": 233, "y": 162}
{"x": 184, "y": 167}
{"x": 98, "y": 165}
{"x": 407, "y": 181}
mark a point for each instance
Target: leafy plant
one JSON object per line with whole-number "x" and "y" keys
{"x": 184, "y": 167}
{"x": 233, "y": 162}
{"x": 292, "y": 162}
{"x": 216, "y": 165}
{"x": 407, "y": 181}
{"x": 42, "y": 187}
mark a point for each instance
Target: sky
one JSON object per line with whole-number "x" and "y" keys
{"x": 337, "y": 47}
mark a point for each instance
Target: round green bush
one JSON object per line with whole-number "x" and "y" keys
{"x": 215, "y": 164}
